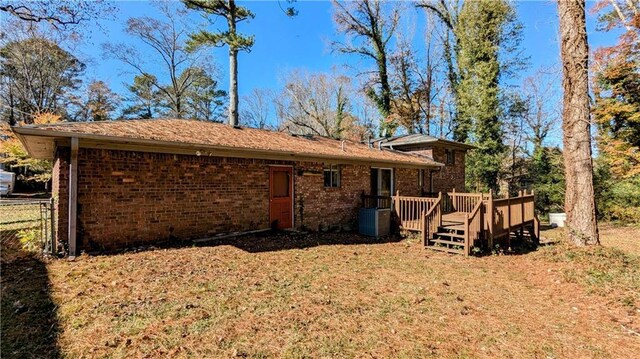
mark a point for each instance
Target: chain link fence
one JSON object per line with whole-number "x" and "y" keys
{"x": 29, "y": 223}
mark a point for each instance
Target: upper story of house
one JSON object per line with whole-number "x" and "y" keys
{"x": 450, "y": 153}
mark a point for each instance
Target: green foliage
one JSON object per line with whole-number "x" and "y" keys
{"x": 30, "y": 240}
{"x": 204, "y": 100}
{"x": 38, "y": 76}
{"x": 617, "y": 199}
{"x": 145, "y": 99}
{"x": 230, "y": 37}
{"x": 616, "y": 86}
{"x": 546, "y": 172}
{"x": 28, "y": 170}
{"x": 480, "y": 32}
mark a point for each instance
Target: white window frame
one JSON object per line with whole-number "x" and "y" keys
{"x": 331, "y": 167}
{"x": 393, "y": 185}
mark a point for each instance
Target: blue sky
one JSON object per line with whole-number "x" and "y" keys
{"x": 284, "y": 43}
{"x": 303, "y": 42}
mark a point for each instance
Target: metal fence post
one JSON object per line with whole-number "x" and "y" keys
{"x": 54, "y": 243}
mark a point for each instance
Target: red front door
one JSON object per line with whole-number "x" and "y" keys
{"x": 281, "y": 197}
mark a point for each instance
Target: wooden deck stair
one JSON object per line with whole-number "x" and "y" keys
{"x": 456, "y": 222}
{"x": 450, "y": 236}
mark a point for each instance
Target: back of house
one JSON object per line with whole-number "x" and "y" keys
{"x": 124, "y": 183}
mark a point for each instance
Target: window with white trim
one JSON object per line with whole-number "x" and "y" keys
{"x": 331, "y": 176}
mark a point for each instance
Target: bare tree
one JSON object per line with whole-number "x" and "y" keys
{"x": 543, "y": 114}
{"x": 257, "y": 108}
{"x": 369, "y": 30}
{"x": 316, "y": 104}
{"x": 406, "y": 89}
{"x": 414, "y": 85}
{"x": 60, "y": 14}
{"x": 447, "y": 12}
{"x": 36, "y": 76}
{"x": 579, "y": 194}
{"x": 168, "y": 39}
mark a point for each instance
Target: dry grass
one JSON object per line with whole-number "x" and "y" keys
{"x": 16, "y": 217}
{"x": 341, "y": 295}
{"x": 625, "y": 238}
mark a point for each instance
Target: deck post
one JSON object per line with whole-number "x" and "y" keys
{"x": 424, "y": 229}
{"x": 508, "y": 220}
{"x": 453, "y": 200}
{"x": 466, "y": 235}
{"x": 439, "y": 223}
{"x": 490, "y": 218}
{"x": 522, "y": 214}
{"x": 54, "y": 241}
{"x": 73, "y": 198}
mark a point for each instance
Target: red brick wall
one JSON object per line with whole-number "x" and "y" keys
{"x": 406, "y": 181}
{"x": 317, "y": 207}
{"x": 126, "y": 198}
{"x": 450, "y": 176}
{"x": 130, "y": 198}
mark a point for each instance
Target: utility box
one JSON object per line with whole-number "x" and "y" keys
{"x": 374, "y": 222}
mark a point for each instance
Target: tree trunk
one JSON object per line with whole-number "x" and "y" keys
{"x": 233, "y": 67}
{"x": 233, "y": 87}
{"x": 579, "y": 194}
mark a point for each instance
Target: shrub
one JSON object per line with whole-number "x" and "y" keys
{"x": 30, "y": 240}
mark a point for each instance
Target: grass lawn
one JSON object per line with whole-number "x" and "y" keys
{"x": 16, "y": 217}
{"x": 324, "y": 295}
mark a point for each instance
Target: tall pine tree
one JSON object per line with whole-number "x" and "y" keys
{"x": 485, "y": 49}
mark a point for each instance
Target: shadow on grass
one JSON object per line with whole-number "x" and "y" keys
{"x": 29, "y": 325}
{"x": 517, "y": 245}
{"x": 280, "y": 241}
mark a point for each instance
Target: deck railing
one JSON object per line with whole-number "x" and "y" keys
{"x": 473, "y": 225}
{"x": 461, "y": 202}
{"x": 432, "y": 219}
{"x": 411, "y": 210}
{"x": 372, "y": 201}
{"x": 485, "y": 218}
{"x": 508, "y": 213}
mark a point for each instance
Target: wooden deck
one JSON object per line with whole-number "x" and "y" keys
{"x": 457, "y": 222}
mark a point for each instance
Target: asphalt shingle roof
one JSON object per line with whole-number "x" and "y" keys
{"x": 192, "y": 132}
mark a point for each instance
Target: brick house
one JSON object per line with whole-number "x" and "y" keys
{"x": 123, "y": 183}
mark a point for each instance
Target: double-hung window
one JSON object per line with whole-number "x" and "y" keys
{"x": 331, "y": 176}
